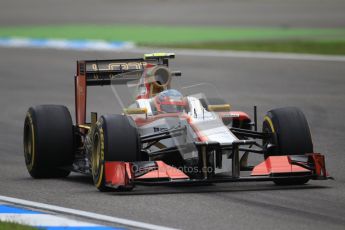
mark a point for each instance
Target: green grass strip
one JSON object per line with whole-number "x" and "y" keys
{"x": 295, "y": 40}
{"x": 285, "y": 46}
{"x": 14, "y": 226}
{"x": 170, "y": 35}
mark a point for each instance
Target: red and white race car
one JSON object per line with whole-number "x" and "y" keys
{"x": 165, "y": 135}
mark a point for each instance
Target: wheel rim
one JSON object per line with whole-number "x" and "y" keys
{"x": 29, "y": 144}
{"x": 268, "y": 128}
{"x": 96, "y": 156}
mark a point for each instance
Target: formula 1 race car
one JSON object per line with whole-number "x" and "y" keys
{"x": 165, "y": 135}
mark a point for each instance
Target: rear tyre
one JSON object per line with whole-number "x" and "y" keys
{"x": 291, "y": 136}
{"x": 115, "y": 138}
{"x": 48, "y": 141}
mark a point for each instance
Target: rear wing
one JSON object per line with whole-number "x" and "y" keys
{"x": 106, "y": 72}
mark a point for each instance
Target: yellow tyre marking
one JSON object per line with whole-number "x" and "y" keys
{"x": 101, "y": 139}
{"x": 269, "y": 121}
{"x": 31, "y": 165}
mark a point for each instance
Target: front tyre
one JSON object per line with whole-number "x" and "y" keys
{"x": 291, "y": 136}
{"x": 48, "y": 141}
{"x": 115, "y": 138}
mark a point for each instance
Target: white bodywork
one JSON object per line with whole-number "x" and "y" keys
{"x": 198, "y": 122}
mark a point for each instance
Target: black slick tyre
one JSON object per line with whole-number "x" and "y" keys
{"x": 48, "y": 141}
{"x": 115, "y": 138}
{"x": 291, "y": 136}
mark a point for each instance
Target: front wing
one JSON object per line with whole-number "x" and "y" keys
{"x": 127, "y": 174}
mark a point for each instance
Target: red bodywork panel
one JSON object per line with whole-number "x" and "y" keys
{"x": 320, "y": 165}
{"x": 285, "y": 165}
{"x": 164, "y": 171}
{"x": 236, "y": 115}
{"x": 119, "y": 173}
{"x": 276, "y": 164}
{"x": 80, "y": 93}
{"x": 232, "y": 116}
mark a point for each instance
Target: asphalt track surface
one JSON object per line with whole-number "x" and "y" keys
{"x": 281, "y": 13}
{"x": 34, "y": 76}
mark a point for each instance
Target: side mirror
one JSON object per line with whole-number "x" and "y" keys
{"x": 135, "y": 111}
{"x": 219, "y": 108}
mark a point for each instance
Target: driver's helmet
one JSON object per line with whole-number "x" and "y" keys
{"x": 170, "y": 101}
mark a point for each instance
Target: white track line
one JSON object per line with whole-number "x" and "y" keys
{"x": 89, "y": 215}
{"x": 64, "y": 44}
